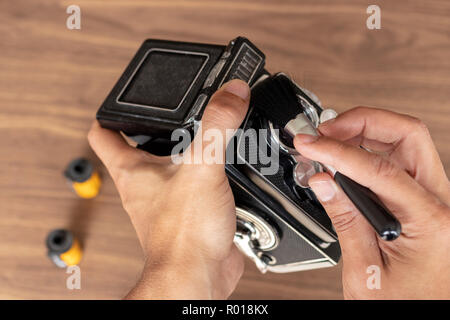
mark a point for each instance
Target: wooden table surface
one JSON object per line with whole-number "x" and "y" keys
{"x": 52, "y": 80}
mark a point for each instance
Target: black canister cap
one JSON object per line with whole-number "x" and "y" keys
{"x": 79, "y": 170}
{"x": 59, "y": 241}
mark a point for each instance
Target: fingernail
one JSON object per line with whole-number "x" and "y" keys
{"x": 324, "y": 190}
{"x": 305, "y": 138}
{"x": 328, "y": 115}
{"x": 238, "y": 88}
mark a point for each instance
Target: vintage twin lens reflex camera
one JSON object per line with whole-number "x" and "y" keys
{"x": 280, "y": 225}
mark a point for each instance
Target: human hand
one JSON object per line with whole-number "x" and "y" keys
{"x": 184, "y": 215}
{"x": 407, "y": 175}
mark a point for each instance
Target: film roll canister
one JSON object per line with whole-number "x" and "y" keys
{"x": 84, "y": 179}
{"x": 63, "y": 248}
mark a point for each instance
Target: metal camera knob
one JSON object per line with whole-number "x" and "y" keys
{"x": 304, "y": 169}
{"x": 254, "y": 235}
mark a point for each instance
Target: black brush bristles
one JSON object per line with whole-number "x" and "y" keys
{"x": 276, "y": 100}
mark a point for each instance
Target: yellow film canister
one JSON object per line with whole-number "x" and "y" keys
{"x": 84, "y": 179}
{"x": 63, "y": 248}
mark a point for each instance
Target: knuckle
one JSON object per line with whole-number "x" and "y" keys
{"x": 383, "y": 167}
{"x": 361, "y": 109}
{"x": 341, "y": 149}
{"x": 419, "y": 126}
{"x": 129, "y": 203}
{"x": 339, "y": 152}
{"x": 122, "y": 179}
{"x": 126, "y": 202}
{"x": 127, "y": 197}
{"x": 344, "y": 221}
{"x": 398, "y": 250}
{"x": 120, "y": 165}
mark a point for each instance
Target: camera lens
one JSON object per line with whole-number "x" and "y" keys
{"x": 280, "y": 138}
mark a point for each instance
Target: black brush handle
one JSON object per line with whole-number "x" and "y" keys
{"x": 368, "y": 203}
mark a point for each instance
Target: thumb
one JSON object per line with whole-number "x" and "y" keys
{"x": 223, "y": 115}
{"x": 358, "y": 241}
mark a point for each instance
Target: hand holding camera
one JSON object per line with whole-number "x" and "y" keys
{"x": 184, "y": 215}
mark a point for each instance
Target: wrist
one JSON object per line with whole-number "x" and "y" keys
{"x": 168, "y": 279}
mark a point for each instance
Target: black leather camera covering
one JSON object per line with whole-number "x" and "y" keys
{"x": 292, "y": 248}
{"x": 176, "y": 70}
{"x": 144, "y": 98}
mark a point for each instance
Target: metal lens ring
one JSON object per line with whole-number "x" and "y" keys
{"x": 308, "y": 110}
{"x": 274, "y": 136}
{"x": 259, "y": 230}
{"x": 304, "y": 168}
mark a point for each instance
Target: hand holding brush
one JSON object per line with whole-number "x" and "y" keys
{"x": 276, "y": 99}
{"x": 405, "y": 171}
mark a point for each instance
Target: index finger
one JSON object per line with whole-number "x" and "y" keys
{"x": 112, "y": 149}
{"x": 404, "y": 196}
{"x": 407, "y": 136}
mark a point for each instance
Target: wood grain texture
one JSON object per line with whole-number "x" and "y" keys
{"x": 52, "y": 80}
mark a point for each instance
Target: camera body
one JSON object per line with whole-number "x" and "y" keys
{"x": 280, "y": 225}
